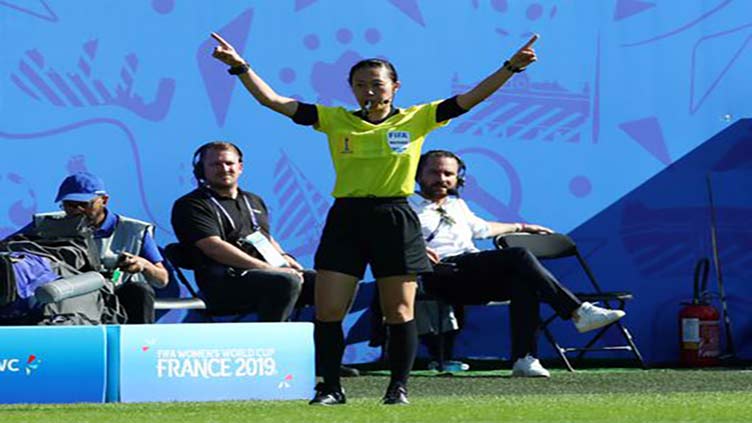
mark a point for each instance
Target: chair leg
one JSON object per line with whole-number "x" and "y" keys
{"x": 558, "y": 348}
{"x": 592, "y": 342}
{"x": 632, "y": 345}
{"x": 627, "y": 336}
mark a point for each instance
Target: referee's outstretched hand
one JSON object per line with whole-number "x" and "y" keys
{"x": 525, "y": 55}
{"x": 225, "y": 52}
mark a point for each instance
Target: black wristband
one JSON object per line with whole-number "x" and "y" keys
{"x": 508, "y": 66}
{"x": 239, "y": 69}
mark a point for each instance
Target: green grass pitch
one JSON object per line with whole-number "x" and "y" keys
{"x": 612, "y": 395}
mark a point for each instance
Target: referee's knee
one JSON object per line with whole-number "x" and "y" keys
{"x": 401, "y": 313}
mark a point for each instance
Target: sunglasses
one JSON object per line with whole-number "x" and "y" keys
{"x": 445, "y": 218}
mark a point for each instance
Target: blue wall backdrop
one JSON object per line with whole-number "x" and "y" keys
{"x": 622, "y": 91}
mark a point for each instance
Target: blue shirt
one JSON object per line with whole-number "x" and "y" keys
{"x": 149, "y": 249}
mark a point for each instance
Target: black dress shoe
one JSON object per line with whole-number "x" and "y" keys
{"x": 395, "y": 395}
{"x": 326, "y": 395}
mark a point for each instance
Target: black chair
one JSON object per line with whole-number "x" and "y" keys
{"x": 177, "y": 260}
{"x": 556, "y": 246}
{"x": 194, "y": 302}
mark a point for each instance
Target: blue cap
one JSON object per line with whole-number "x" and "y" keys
{"x": 81, "y": 186}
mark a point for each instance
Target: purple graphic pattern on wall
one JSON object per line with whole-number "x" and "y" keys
{"x": 529, "y": 111}
{"x": 80, "y": 89}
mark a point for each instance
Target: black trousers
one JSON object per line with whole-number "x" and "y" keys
{"x": 510, "y": 274}
{"x": 272, "y": 295}
{"x": 138, "y": 301}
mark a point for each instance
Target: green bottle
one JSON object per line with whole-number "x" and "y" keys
{"x": 117, "y": 276}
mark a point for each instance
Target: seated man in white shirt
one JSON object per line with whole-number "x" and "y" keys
{"x": 510, "y": 274}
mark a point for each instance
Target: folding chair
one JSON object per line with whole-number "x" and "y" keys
{"x": 177, "y": 261}
{"x": 555, "y": 246}
{"x": 175, "y": 255}
{"x": 194, "y": 302}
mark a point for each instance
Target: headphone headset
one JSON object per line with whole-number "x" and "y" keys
{"x": 461, "y": 167}
{"x": 198, "y": 157}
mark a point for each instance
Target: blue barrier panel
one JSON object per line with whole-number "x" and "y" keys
{"x": 52, "y": 364}
{"x": 112, "y": 393}
{"x": 215, "y": 361}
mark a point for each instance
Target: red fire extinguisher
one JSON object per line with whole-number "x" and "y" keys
{"x": 699, "y": 327}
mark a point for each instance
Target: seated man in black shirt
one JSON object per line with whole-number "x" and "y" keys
{"x": 238, "y": 264}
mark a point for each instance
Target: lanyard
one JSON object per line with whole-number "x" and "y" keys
{"x": 445, "y": 218}
{"x": 254, "y": 222}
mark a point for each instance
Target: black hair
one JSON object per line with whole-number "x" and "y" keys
{"x": 198, "y": 157}
{"x": 373, "y": 63}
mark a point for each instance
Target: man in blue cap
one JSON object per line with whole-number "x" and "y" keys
{"x": 124, "y": 244}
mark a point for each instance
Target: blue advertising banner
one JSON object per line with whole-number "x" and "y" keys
{"x": 52, "y": 364}
{"x": 216, "y": 361}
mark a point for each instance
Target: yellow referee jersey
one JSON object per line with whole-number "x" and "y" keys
{"x": 376, "y": 160}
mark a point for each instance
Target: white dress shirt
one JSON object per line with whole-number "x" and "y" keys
{"x": 449, "y": 228}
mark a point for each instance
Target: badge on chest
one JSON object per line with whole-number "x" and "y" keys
{"x": 398, "y": 140}
{"x": 264, "y": 247}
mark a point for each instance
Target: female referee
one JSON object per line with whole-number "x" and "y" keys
{"x": 375, "y": 151}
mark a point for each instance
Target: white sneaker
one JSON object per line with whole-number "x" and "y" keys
{"x": 529, "y": 366}
{"x": 588, "y": 317}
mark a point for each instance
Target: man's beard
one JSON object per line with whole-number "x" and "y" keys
{"x": 437, "y": 191}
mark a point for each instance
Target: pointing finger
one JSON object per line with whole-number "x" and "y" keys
{"x": 530, "y": 42}
{"x": 220, "y": 40}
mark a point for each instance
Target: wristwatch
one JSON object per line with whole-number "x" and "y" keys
{"x": 239, "y": 69}
{"x": 508, "y": 66}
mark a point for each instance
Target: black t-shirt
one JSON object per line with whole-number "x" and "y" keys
{"x": 196, "y": 216}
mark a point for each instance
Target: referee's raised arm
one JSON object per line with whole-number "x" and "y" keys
{"x": 517, "y": 63}
{"x": 261, "y": 91}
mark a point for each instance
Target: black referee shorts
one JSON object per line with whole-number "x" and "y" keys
{"x": 382, "y": 232}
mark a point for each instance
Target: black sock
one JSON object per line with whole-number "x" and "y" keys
{"x": 330, "y": 345}
{"x": 403, "y": 345}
